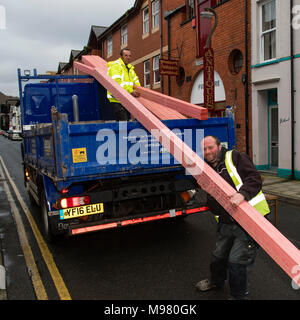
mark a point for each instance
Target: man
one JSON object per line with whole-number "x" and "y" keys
{"x": 235, "y": 250}
{"x": 123, "y": 73}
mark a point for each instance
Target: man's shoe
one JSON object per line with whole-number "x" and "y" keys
{"x": 240, "y": 297}
{"x": 206, "y": 285}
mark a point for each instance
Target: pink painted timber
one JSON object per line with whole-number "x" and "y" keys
{"x": 284, "y": 253}
{"x": 164, "y": 107}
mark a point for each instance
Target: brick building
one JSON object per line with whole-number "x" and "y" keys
{"x": 168, "y": 29}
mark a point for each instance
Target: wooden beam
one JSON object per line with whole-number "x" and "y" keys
{"x": 161, "y": 112}
{"x": 284, "y": 253}
{"x": 153, "y": 98}
{"x": 186, "y": 108}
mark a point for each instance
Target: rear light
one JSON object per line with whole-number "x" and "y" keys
{"x": 185, "y": 196}
{"x": 74, "y": 202}
{"x": 27, "y": 175}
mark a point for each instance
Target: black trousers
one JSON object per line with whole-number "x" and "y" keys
{"x": 120, "y": 113}
{"x": 235, "y": 252}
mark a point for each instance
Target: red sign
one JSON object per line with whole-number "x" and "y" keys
{"x": 168, "y": 67}
{"x": 209, "y": 79}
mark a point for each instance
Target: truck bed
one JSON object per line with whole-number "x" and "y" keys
{"x": 69, "y": 152}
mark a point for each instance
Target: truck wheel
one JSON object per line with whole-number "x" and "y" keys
{"x": 46, "y": 223}
{"x": 31, "y": 198}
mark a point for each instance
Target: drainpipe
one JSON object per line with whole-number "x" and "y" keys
{"x": 167, "y": 17}
{"x": 246, "y": 80}
{"x": 292, "y": 92}
{"x": 169, "y": 55}
{"x": 161, "y": 43}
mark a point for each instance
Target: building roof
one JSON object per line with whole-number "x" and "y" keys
{"x": 95, "y": 32}
{"x": 61, "y": 66}
{"x": 98, "y": 30}
{"x": 74, "y": 54}
{"x": 130, "y": 12}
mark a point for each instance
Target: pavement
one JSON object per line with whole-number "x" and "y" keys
{"x": 286, "y": 190}
{"x": 3, "y": 210}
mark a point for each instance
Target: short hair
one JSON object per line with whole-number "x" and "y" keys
{"x": 124, "y": 49}
{"x": 217, "y": 140}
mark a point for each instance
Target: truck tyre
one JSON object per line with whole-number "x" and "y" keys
{"x": 31, "y": 198}
{"x": 46, "y": 223}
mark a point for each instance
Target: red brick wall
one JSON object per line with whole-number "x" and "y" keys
{"x": 229, "y": 35}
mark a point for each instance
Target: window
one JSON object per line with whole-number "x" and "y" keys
{"x": 268, "y": 30}
{"x": 146, "y": 20}
{"x": 190, "y": 9}
{"x": 124, "y": 35}
{"x": 109, "y": 46}
{"x": 156, "y": 69}
{"x": 146, "y": 73}
{"x": 235, "y": 61}
{"x": 155, "y": 14}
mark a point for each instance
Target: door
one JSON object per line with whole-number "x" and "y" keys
{"x": 273, "y": 136}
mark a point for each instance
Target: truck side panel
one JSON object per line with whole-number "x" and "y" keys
{"x": 71, "y": 152}
{"x": 39, "y": 98}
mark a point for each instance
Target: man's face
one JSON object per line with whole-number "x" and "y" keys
{"x": 126, "y": 56}
{"x": 210, "y": 150}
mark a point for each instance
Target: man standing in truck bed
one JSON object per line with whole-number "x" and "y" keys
{"x": 123, "y": 73}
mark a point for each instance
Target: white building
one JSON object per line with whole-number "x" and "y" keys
{"x": 275, "y": 69}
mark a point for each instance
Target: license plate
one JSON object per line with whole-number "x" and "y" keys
{"x": 81, "y": 211}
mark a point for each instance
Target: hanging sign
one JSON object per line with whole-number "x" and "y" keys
{"x": 209, "y": 79}
{"x": 168, "y": 67}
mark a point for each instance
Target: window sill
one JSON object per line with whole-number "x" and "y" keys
{"x": 156, "y": 85}
{"x": 145, "y": 35}
{"x": 155, "y": 30}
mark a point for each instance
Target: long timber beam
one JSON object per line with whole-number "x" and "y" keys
{"x": 279, "y": 248}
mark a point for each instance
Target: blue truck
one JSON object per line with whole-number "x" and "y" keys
{"x": 88, "y": 172}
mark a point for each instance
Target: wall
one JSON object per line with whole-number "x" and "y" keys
{"x": 276, "y": 74}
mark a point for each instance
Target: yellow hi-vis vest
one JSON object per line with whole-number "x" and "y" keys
{"x": 125, "y": 77}
{"x": 259, "y": 202}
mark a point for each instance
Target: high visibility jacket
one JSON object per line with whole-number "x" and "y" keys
{"x": 259, "y": 202}
{"x": 124, "y": 75}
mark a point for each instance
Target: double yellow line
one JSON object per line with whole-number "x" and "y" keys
{"x": 29, "y": 258}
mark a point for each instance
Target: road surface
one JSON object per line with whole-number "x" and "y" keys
{"x": 155, "y": 261}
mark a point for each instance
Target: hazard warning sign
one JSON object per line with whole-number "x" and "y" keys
{"x": 79, "y": 155}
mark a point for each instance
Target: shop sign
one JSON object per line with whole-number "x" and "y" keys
{"x": 168, "y": 67}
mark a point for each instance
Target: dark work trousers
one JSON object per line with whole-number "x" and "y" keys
{"x": 120, "y": 113}
{"x": 235, "y": 252}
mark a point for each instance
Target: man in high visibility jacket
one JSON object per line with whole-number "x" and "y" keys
{"x": 123, "y": 73}
{"x": 235, "y": 250}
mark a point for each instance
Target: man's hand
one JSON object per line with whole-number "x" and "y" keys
{"x": 236, "y": 199}
{"x": 135, "y": 94}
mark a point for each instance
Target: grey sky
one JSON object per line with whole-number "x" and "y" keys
{"x": 41, "y": 33}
